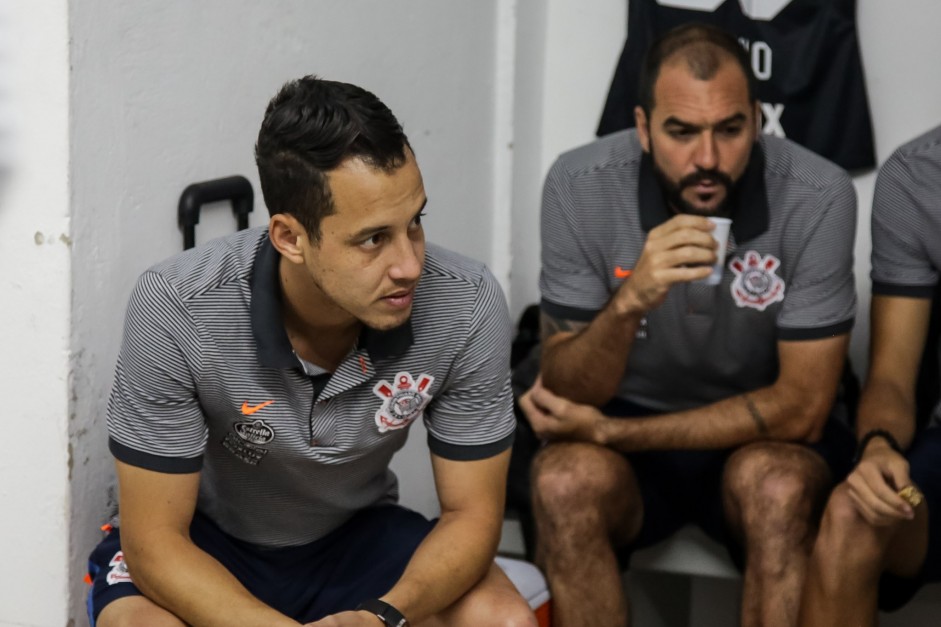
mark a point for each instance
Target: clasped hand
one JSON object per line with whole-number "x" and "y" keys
{"x": 874, "y": 485}
{"x": 553, "y": 417}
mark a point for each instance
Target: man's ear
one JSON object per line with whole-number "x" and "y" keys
{"x": 288, "y": 237}
{"x": 643, "y": 128}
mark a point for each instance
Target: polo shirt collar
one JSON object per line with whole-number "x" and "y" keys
{"x": 749, "y": 202}
{"x": 271, "y": 338}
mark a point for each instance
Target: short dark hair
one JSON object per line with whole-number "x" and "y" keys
{"x": 312, "y": 126}
{"x": 703, "y": 47}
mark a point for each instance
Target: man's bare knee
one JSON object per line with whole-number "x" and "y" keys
{"x": 497, "y": 609}
{"x": 845, "y": 537}
{"x": 136, "y": 611}
{"x": 494, "y": 601}
{"x": 572, "y": 475}
{"x": 764, "y": 482}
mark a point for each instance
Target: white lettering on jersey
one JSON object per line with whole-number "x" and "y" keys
{"x": 755, "y": 9}
{"x": 692, "y": 5}
{"x": 761, "y": 60}
{"x": 763, "y": 9}
{"x": 772, "y": 116}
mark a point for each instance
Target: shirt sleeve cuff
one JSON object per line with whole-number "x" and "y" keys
{"x": 815, "y": 333}
{"x": 462, "y": 453}
{"x": 910, "y": 291}
{"x": 561, "y": 312}
{"x": 157, "y": 463}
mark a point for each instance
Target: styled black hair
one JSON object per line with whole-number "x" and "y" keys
{"x": 703, "y": 47}
{"x": 312, "y": 126}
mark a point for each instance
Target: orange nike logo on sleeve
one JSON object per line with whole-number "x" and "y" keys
{"x": 622, "y": 273}
{"x": 248, "y": 410}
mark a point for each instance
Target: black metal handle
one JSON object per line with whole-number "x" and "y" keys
{"x": 236, "y": 189}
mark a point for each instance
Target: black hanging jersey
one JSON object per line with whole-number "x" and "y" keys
{"x": 804, "y": 54}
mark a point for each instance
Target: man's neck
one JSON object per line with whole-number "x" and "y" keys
{"x": 319, "y": 331}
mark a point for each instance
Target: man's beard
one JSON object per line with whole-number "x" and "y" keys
{"x": 673, "y": 192}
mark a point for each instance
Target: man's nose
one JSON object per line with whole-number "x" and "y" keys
{"x": 407, "y": 264}
{"x": 707, "y": 154}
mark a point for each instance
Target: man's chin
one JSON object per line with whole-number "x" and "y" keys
{"x": 708, "y": 210}
{"x": 387, "y": 323}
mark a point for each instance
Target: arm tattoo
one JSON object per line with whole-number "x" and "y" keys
{"x": 756, "y": 415}
{"x": 549, "y": 326}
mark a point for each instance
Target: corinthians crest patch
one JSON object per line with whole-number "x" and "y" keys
{"x": 118, "y": 572}
{"x": 402, "y": 401}
{"x": 755, "y": 284}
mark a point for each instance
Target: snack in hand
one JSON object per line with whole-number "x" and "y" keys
{"x": 912, "y": 495}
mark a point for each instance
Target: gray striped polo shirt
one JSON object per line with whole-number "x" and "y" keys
{"x": 206, "y": 380}
{"x": 906, "y": 222}
{"x": 788, "y": 275}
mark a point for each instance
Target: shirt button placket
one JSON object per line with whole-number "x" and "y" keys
{"x": 316, "y": 408}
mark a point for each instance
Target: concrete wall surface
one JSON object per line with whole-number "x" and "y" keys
{"x": 35, "y": 284}
{"x": 116, "y": 107}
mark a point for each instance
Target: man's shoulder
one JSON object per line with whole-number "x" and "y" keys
{"x": 615, "y": 151}
{"x": 216, "y": 263}
{"x": 448, "y": 267}
{"x": 923, "y": 151}
{"x": 456, "y": 287}
{"x": 792, "y": 163}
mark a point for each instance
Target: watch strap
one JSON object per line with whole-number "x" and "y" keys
{"x": 876, "y": 433}
{"x": 385, "y": 612}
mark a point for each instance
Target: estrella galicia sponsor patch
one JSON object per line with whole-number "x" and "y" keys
{"x": 246, "y": 440}
{"x": 403, "y": 401}
{"x": 755, "y": 284}
{"x": 254, "y": 431}
{"x": 118, "y": 572}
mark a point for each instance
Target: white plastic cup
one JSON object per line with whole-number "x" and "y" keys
{"x": 721, "y": 235}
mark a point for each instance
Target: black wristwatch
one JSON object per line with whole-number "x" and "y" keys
{"x": 876, "y": 433}
{"x": 386, "y": 613}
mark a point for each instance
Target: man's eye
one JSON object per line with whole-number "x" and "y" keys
{"x": 681, "y": 133}
{"x": 373, "y": 242}
{"x": 416, "y": 221}
{"x": 731, "y": 131}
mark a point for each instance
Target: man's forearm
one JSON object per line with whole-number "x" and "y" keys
{"x": 764, "y": 414}
{"x": 884, "y": 405}
{"x": 588, "y": 366}
{"x": 447, "y": 564}
{"x": 171, "y": 571}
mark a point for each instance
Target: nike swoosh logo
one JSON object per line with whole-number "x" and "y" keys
{"x": 248, "y": 410}
{"x": 621, "y": 273}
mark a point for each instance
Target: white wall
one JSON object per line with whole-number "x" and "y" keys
{"x": 34, "y": 319}
{"x": 900, "y": 56}
{"x": 152, "y": 95}
{"x": 566, "y": 54}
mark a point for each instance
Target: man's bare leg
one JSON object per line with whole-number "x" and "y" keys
{"x": 136, "y": 611}
{"x": 842, "y": 585}
{"x": 773, "y": 493}
{"x": 586, "y": 501}
{"x": 494, "y": 601}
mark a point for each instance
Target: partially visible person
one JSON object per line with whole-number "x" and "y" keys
{"x": 267, "y": 378}
{"x": 730, "y": 386}
{"x": 878, "y": 544}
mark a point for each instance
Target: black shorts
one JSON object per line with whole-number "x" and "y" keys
{"x": 361, "y": 560}
{"x": 924, "y": 460}
{"x": 685, "y": 487}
